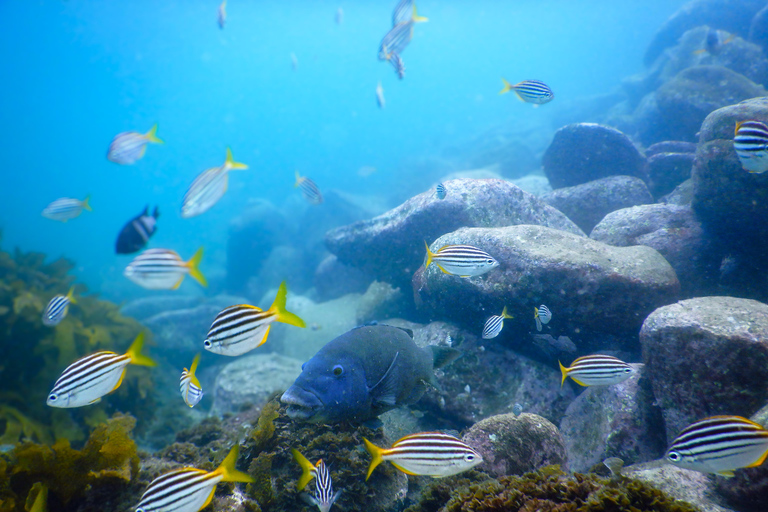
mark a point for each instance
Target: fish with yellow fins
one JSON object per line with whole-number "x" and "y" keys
{"x": 530, "y": 91}
{"x": 597, "y": 370}
{"x": 191, "y": 390}
{"x": 129, "y": 147}
{"x": 209, "y": 186}
{"x": 163, "y": 269}
{"x": 58, "y": 307}
{"x": 66, "y": 208}
{"x": 324, "y": 497}
{"x": 461, "y": 260}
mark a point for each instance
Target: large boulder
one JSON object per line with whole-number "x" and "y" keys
{"x": 391, "y": 246}
{"x": 613, "y": 421}
{"x": 707, "y": 356}
{"x": 672, "y": 230}
{"x": 587, "y": 204}
{"x": 668, "y": 170}
{"x": 585, "y": 152}
{"x": 721, "y": 124}
{"x": 589, "y": 286}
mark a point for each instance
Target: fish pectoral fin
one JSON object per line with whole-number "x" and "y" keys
{"x": 386, "y": 388}
{"x": 401, "y": 468}
{"x": 726, "y": 473}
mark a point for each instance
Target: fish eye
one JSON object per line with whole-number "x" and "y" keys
{"x": 673, "y": 456}
{"x": 627, "y": 370}
{"x": 489, "y": 261}
{"x": 338, "y": 370}
{"x": 53, "y": 397}
{"x": 207, "y": 343}
{"x": 469, "y": 457}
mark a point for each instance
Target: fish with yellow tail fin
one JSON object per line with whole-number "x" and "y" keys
{"x": 128, "y": 147}
{"x": 750, "y": 142}
{"x": 309, "y": 188}
{"x": 324, "y": 497}
{"x": 191, "y": 390}
{"x": 88, "y": 379}
{"x": 542, "y": 315}
{"x": 719, "y": 445}
{"x": 495, "y": 324}
{"x": 66, "y": 208}
{"x": 461, "y": 260}
{"x": 209, "y": 186}
{"x": 241, "y": 328}
{"x": 398, "y": 38}
{"x": 58, "y": 307}
{"x": 163, "y": 269}
{"x": 530, "y": 91}
{"x": 190, "y": 489}
{"x": 428, "y": 453}
{"x": 597, "y": 370}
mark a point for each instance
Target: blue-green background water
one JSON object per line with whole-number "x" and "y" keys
{"x": 76, "y": 73}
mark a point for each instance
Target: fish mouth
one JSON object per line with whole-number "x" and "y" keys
{"x": 302, "y": 404}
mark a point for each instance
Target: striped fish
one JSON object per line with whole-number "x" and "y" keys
{"x": 58, "y": 307}
{"x": 428, "y": 453}
{"x": 189, "y": 489}
{"x": 88, "y": 379}
{"x": 209, "y": 186}
{"x": 222, "y": 14}
{"x": 440, "y": 191}
{"x": 241, "y": 328}
{"x": 190, "y": 388}
{"x": 403, "y": 12}
{"x": 597, "y": 370}
{"x": 66, "y": 208}
{"x": 719, "y": 445}
{"x": 494, "y": 325}
{"x": 398, "y": 64}
{"x": 309, "y": 189}
{"x": 542, "y": 315}
{"x": 128, "y": 147}
{"x": 530, "y": 91}
{"x": 163, "y": 269}
{"x": 751, "y": 145}
{"x": 461, "y": 260}
{"x": 324, "y": 497}
{"x": 397, "y": 39}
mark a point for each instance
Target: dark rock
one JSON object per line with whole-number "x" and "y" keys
{"x": 391, "y": 246}
{"x": 667, "y": 170}
{"x": 670, "y": 146}
{"x": 587, "y": 204}
{"x": 334, "y": 279}
{"x": 686, "y": 100}
{"x": 734, "y": 16}
{"x": 672, "y": 230}
{"x": 758, "y": 30}
{"x": 681, "y": 196}
{"x": 513, "y": 445}
{"x": 584, "y": 152}
{"x": 589, "y": 286}
{"x": 613, "y": 421}
{"x": 721, "y": 124}
{"x": 707, "y": 356}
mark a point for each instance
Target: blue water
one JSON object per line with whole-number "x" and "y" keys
{"x": 76, "y": 73}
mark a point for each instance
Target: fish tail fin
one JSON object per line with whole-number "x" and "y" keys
{"x": 86, "y": 205}
{"x": 430, "y": 254}
{"x": 228, "y": 471}
{"x": 416, "y": 18}
{"x": 564, "y": 371}
{"x": 151, "y": 135}
{"x": 278, "y": 307}
{"x": 307, "y": 469}
{"x": 71, "y": 295}
{"x": 194, "y": 270}
{"x": 507, "y": 87}
{"x": 376, "y": 453}
{"x": 299, "y": 179}
{"x": 231, "y": 164}
{"x": 193, "y": 369}
{"x": 443, "y": 356}
{"x": 134, "y": 352}
{"x": 504, "y": 314}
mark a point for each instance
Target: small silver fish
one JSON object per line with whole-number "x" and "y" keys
{"x": 398, "y": 64}
{"x": 495, "y": 324}
{"x": 614, "y": 465}
{"x": 530, "y": 91}
{"x": 222, "y": 14}
{"x": 191, "y": 390}
{"x": 308, "y": 187}
{"x": 128, "y": 147}
{"x": 339, "y": 16}
{"x": 597, "y": 370}
{"x": 542, "y": 315}
{"x": 163, "y": 269}
{"x": 440, "y": 191}
{"x": 380, "y": 101}
{"x": 209, "y": 187}
{"x": 66, "y": 208}
{"x": 57, "y": 308}
{"x": 461, "y": 260}
{"x": 751, "y": 145}
{"x": 517, "y": 410}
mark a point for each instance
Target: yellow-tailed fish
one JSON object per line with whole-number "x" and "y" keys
{"x": 128, "y": 147}
{"x": 597, "y": 370}
{"x": 58, "y": 307}
{"x": 751, "y": 145}
{"x": 88, "y": 379}
{"x": 428, "y": 453}
{"x": 309, "y": 188}
{"x": 397, "y": 39}
{"x": 542, "y": 315}
{"x": 495, "y": 324}
{"x": 530, "y": 91}
{"x": 461, "y": 260}
{"x": 241, "y": 328}
{"x": 209, "y": 187}
{"x": 163, "y": 269}
{"x": 66, "y": 208}
{"x": 222, "y": 14}
{"x": 191, "y": 390}
{"x": 324, "y": 497}
{"x": 189, "y": 489}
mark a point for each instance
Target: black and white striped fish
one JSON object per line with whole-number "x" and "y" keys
{"x": 189, "y": 489}
{"x": 163, "y": 269}
{"x": 597, "y": 370}
{"x": 309, "y": 188}
{"x": 88, "y": 379}
{"x": 191, "y": 390}
{"x": 398, "y": 64}
{"x": 208, "y": 187}
{"x": 461, "y": 260}
{"x": 530, "y": 91}
{"x": 324, "y": 497}
{"x": 495, "y": 324}
{"x": 58, "y": 307}
{"x": 128, "y": 147}
{"x": 241, "y": 328}
{"x": 542, "y": 315}
{"x": 428, "y": 453}
{"x": 402, "y": 13}
{"x": 440, "y": 191}
{"x": 396, "y": 40}
{"x": 66, "y": 208}
{"x": 751, "y": 145}
{"x": 719, "y": 445}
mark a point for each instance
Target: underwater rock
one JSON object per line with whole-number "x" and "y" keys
{"x": 613, "y": 421}
{"x": 681, "y": 196}
{"x": 588, "y": 285}
{"x": 251, "y": 380}
{"x": 733, "y": 16}
{"x": 668, "y": 170}
{"x": 146, "y": 307}
{"x": 721, "y": 124}
{"x": 686, "y": 100}
{"x": 707, "y": 356}
{"x": 535, "y": 184}
{"x": 588, "y": 203}
{"x": 334, "y": 279}
{"x": 585, "y": 152}
{"x": 391, "y": 246}
{"x": 513, "y": 445}
{"x": 672, "y": 230}
{"x": 670, "y": 146}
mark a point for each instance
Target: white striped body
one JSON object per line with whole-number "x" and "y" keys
{"x": 396, "y": 40}
{"x": 56, "y": 310}
{"x": 127, "y": 147}
{"x": 182, "y": 490}
{"x": 64, "y": 209}
{"x": 542, "y": 315}
{"x": 462, "y": 260}
{"x": 432, "y": 454}
{"x": 402, "y": 13}
{"x": 238, "y": 329}
{"x": 157, "y": 269}
{"x": 751, "y": 145}
{"x": 205, "y": 191}
{"x": 88, "y": 379}
{"x": 533, "y": 91}
{"x": 719, "y": 445}
{"x": 494, "y": 325}
{"x": 324, "y": 496}
{"x": 309, "y": 188}
{"x": 440, "y": 191}
{"x": 190, "y": 388}
{"x": 597, "y": 370}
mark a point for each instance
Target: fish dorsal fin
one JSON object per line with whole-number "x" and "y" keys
{"x": 386, "y": 388}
